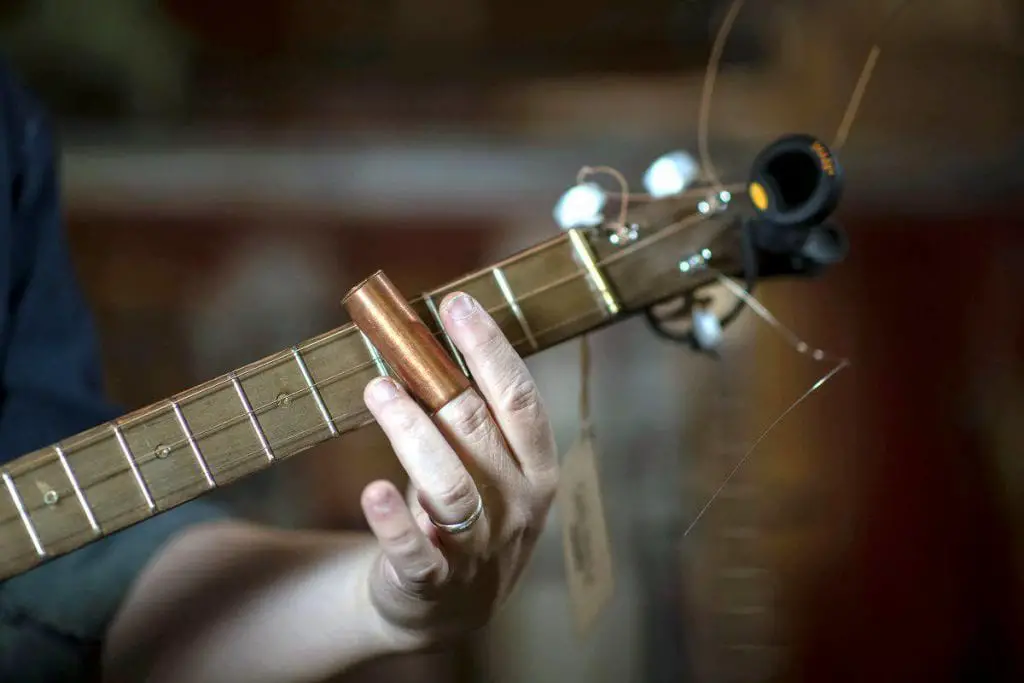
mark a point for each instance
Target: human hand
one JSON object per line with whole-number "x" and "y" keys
{"x": 488, "y": 459}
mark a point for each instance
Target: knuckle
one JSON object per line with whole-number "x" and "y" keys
{"x": 517, "y": 518}
{"x": 419, "y": 574}
{"x": 402, "y": 419}
{"x": 405, "y": 543}
{"x": 412, "y": 578}
{"x": 489, "y": 340}
{"x": 459, "y": 493}
{"x": 520, "y": 397}
{"x": 470, "y": 416}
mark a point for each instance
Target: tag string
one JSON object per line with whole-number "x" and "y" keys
{"x": 585, "y": 384}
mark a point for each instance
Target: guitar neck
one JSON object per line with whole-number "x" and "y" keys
{"x": 95, "y": 483}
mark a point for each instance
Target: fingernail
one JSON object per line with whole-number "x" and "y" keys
{"x": 381, "y": 501}
{"x": 461, "y": 307}
{"x": 383, "y": 390}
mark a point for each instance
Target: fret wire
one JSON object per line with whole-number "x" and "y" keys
{"x": 26, "y": 521}
{"x": 432, "y": 307}
{"x": 510, "y": 299}
{"x": 347, "y": 330}
{"x": 127, "y": 452}
{"x": 378, "y": 360}
{"x": 79, "y": 494}
{"x": 309, "y": 431}
{"x": 618, "y": 255}
{"x": 513, "y": 259}
{"x": 252, "y": 417}
{"x": 317, "y": 398}
{"x": 191, "y": 440}
{"x": 240, "y": 373}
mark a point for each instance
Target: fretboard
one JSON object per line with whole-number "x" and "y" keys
{"x": 95, "y": 483}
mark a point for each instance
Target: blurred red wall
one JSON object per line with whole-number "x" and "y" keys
{"x": 929, "y": 586}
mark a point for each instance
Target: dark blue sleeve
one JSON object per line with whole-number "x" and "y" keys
{"x": 51, "y": 374}
{"x": 53, "y": 618}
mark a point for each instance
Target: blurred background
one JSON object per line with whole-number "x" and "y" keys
{"x": 231, "y": 168}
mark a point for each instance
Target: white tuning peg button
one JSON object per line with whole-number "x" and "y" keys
{"x": 580, "y": 206}
{"x": 707, "y": 329}
{"x": 671, "y": 174}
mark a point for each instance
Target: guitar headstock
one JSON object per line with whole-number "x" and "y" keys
{"x": 775, "y": 224}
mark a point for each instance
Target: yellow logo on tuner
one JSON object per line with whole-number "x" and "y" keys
{"x": 758, "y": 196}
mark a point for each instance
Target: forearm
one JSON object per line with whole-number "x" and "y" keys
{"x": 231, "y": 602}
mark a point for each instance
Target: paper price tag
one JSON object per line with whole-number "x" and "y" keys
{"x": 585, "y": 542}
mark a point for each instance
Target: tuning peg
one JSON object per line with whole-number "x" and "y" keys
{"x": 671, "y": 174}
{"x": 581, "y": 206}
{"x": 707, "y": 329}
{"x": 796, "y": 182}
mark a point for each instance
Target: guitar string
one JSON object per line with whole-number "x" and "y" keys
{"x": 696, "y": 190}
{"x": 588, "y": 171}
{"x": 757, "y": 307}
{"x": 714, "y": 63}
{"x": 707, "y": 164}
{"x": 710, "y": 77}
{"x": 802, "y": 348}
{"x": 867, "y": 71}
{"x": 71, "y": 446}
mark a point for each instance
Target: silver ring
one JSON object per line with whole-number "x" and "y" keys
{"x": 464, "y": 525}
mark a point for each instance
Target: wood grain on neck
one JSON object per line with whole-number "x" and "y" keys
{"x": 95, "y": 483}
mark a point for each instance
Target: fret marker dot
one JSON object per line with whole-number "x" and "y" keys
{"x": 284, "y": 400}
{"x": 162, "y": 451}
{"x": 51, "y": 497}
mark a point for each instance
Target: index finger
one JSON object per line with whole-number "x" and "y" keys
{"x": 504, "y": 381}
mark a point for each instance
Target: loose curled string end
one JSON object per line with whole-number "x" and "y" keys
{"x": 800, "y": 346}
{"x": 586, "y": 172}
